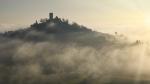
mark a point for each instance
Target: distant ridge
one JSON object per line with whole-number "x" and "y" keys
{"x": 55, "y": 28}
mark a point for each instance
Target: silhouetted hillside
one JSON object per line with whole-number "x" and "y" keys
{"x": 50, "y": 26}
{"x": 57, "y": 29}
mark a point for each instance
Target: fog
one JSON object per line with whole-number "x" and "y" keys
{"x": 78, "y": 58}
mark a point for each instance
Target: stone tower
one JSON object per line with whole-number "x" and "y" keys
{"x": 50, "y": 16}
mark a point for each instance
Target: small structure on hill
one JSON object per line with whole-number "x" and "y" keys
{"x": 50, "y": 16}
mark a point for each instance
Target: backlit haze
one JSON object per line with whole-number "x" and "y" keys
{"x": 124, "y": 16}
{"x": 57, "y": 52}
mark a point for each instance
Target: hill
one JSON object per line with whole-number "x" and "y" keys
{"x": 57, "y": 29}
{"x": 53, "y": 51}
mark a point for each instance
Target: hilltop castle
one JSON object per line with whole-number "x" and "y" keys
{"x": 51, "y": 18}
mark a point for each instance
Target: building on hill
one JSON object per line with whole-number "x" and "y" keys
{"x": 43, "y": 20}
{"x": 49, "y": 20}
{"x": 50, "y": 16}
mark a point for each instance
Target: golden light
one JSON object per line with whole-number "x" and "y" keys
{"x": 147, "y": 21}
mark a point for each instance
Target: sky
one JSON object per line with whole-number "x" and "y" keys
{"x": 106, "y": 15}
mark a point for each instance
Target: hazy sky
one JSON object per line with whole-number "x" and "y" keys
{"x": 92, "y": 13}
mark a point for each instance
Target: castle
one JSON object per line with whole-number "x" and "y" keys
{"x": 51, "y": 18}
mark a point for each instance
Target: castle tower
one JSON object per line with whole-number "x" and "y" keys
{"x": 50, "y": 16}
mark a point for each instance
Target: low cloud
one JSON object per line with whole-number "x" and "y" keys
{"x": 80, "y": 58}
{"x": 83, "y": 57}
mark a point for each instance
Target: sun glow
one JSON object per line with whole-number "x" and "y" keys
{"x": 147, "y": 21}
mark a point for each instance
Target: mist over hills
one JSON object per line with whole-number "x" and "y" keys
{"x": 54, "y": 51}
